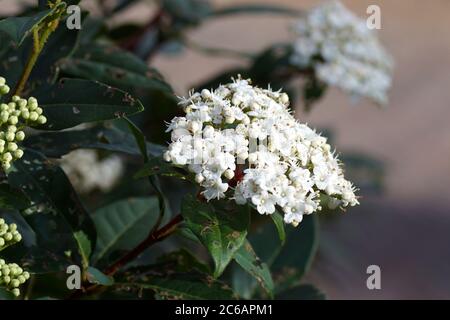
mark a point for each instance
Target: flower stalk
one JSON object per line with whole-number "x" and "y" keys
{"x": 41, "y": 33}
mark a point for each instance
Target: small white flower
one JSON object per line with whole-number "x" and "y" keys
{"x": 264, "y": 202}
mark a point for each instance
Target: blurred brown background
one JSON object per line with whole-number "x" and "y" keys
{"x": 406, "y": 231}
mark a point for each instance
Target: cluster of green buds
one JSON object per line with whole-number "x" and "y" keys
{"x": 11, "y": 274}
{"x": 14, "y": 116}
{"x": 8, "y": 234}
{"x": 4, "y": 89}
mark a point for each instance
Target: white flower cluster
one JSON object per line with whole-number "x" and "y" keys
{"x": 13, "y": 117}
{"x": 243, "y": 143}
{"x": 343, "y": 52}
{"x": 11, "y": 274}
{"x": 87, "y": 172}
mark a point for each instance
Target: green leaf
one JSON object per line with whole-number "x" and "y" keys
{"x": 123, "y": 224}
{"x": 45, "y": 72}
{"x": 249, "y": 261}
{"x": 115, "y": 67}
{"x": 138, "y": 137}
{"x": 158, "y": 166}
{"x": 57, "y": 215}
{"x": 6, "y": 295}
{"x": 73, "y": 101}
{"x": 270, "y": 62}
{"x": 61, "y": 44}
{"x": 57, "y": 144}
{"x": 18, "y": 28}
{"x": 277, "y": 219}
{"x": 12, "y": 198}
{"x": 313, "y": 91}
{"x": 185, "y": 286}
{"x": 256, "y": 9}
{"x": 182, "y": 261}
{"x": 123, "y": 4}
{"x": 289, "y": 262}
{"x": 154, "y": 181}
{"x": 95, "y": 276}
{"x": 92, "y": 28}
{"x": 85, "y": 248}
{"x": 221, "y": 230}
{"x": 187, "y": 11}
{"x": 302, "y": 292}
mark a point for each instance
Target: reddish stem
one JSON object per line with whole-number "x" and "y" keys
{"x": 152, "y": 238}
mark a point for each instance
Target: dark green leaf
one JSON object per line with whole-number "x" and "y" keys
{"x": 73, "y": 101}
{"x": 6, "y": 295}
{"x": 182, "y": 261}
{"x": 302, "y": 292}
{"x": 288, "y": 262}
{"x": 157, "y": 166}
{"x": 123, "y": 4}
{"x": 91, "y": 28}
{"x": 279, "y": 224}
{"x": 84, "y": 246}
{"x": 250, "y": 262}
{"x": 60, "y": 210}
{"x": 115, "y": 67}
{"x": 97, "y": 277}
{"x": 187, "y": 11}
{"x": 57, "y": 144}
{"x": 18, "y": 28}
{"x": 60, "y": 45}
{"x": 45, "y": 239}
{"x": 12, "y": 198}
{"x": 256, "y": 9}
{"x": 313, "y": 90}
{"x": 185, "y": 286}
{"x": 154, "y": 180}
{"x": 222, "y": 231}
{"x": 271, "y": 65}
{"x": 124, "y": 224}
{"x": 138, "y": 137}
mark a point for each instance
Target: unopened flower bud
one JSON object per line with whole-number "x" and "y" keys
{"x": 18, "y": 154}
{"x": 33, "y": 116}
{"x": 199, "y": 178}
{"x": 10, "y": 136}
{"x": 229, "y": 174}
{"x": 229, "y": 120}
{"x": 41, "y": 119}
{"x": 20, "y": 135}
{"x": 252, "y": 157}
{"x": 206, "y": 93}
{"x": 12, "y": 146}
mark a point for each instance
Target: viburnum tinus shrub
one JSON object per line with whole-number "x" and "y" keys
{"x": 94, "y": 205}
